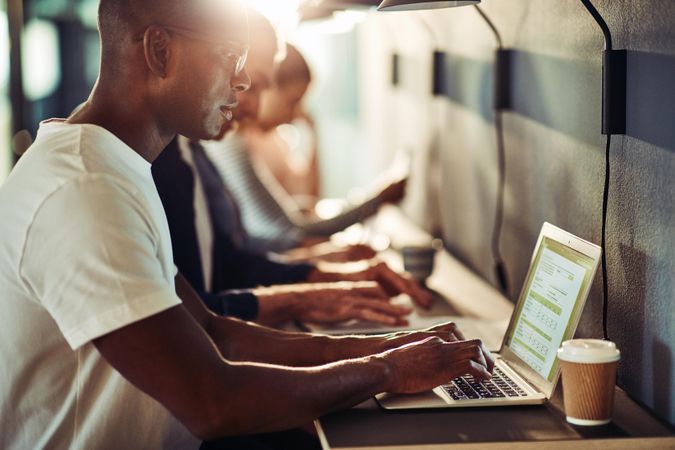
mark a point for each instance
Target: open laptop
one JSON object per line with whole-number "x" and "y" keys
{"x": 547, "y": 313}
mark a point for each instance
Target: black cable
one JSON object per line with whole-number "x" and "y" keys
{"x": 605, "y": 194}
{"x": 605, "y": 202}
{"x": 601, "y": 23}
{"x": 491, "y": 25}
{"x": 429, "y": 29}
{"x": 499, "y": 266}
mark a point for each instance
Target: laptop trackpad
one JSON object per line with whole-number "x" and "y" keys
{"x": 428, "y": 399}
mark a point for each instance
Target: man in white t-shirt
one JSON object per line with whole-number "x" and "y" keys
{"x": 102, "y": 344}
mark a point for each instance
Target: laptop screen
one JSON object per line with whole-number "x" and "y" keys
{"x": 551, "y": 300}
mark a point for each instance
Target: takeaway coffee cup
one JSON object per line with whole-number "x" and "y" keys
{"x": 588, "y": 378}
{"x": 418, "y": 261}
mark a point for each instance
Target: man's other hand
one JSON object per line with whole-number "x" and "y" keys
{"x": 393, "y": 283}
{"x": 328, "y": 303}
{"x": 448, "y": 332}
{"x": 356, "y": 252}
{"x": 395, "y": 192}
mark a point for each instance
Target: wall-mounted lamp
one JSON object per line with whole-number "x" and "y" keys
{"x": 415, "y": 5}
{"x": 336, "y": 5}
{"x": 502, "y": 102}
{"x": 321, "y": 9}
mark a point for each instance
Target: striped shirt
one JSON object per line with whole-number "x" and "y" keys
{"x": 269, "y": 214}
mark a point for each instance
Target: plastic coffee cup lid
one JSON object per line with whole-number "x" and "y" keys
{"x": 589, "y": 351}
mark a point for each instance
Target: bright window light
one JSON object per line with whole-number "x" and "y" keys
{"x": 40, "y": 59}
{"x": 4, "y": 52}
{"x": 340, "y": 22}
{"x": 278, "y": 11}
{"x": 5, "y": 109}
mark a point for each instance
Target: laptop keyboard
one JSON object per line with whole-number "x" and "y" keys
{"x": 466, "y": 387}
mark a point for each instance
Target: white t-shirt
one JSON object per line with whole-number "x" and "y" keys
{"x": 84, "y": 251}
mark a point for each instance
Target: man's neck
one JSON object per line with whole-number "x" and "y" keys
{"x": 130, "y": 121}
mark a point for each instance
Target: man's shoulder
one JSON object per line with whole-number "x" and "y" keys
{"x": 56, "y": 161}
{"x": 97, "y": 185}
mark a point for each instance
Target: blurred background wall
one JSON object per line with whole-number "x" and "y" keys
{"x": 54, "y": 55}
{"x": 5, "y": 107}
{"x": 554, "y": 150}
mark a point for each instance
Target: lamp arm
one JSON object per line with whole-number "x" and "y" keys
{"x": 491, "y": 25}
{"x": 601, "y": 23}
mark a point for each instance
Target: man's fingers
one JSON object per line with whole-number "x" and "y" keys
{"x": 369, "y": 315}
{"x": 400, "y": 284}
{"x": 394, "y": 282}
{"x": 370, "y": 289}
{"x": 476, "y": 351}
{"x": 458, "y": 333}
{"x": 379, "y": 312}
{"x": 383, "y": 307}
{"x": 478, "y": 371}
{"x": 447, "y": 331}
{"x": 489, "y": 358}
{"x": 350, "y": 285}
{"x": 374, "y": 293}
{"x": 423, "y": 297}
{"x": 419, "y": 295}
{"x": 361, "y": 251}
{"x": 393, "y": 285}
{"x": 478, "y": 356}
{"x": 483, "y": 355}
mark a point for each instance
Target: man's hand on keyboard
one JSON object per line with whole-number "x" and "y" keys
{"x": 423, "y": 365}
{"x": 392, "y": 282}
{"x": 449, "y": 332}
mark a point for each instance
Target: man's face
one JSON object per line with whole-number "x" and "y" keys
{"x": 260, "y": 66}
{"x": 204, "y": 74}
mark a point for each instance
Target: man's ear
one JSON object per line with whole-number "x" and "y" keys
{"x": 157, "y": 49}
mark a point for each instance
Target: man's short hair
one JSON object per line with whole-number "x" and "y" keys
{"x": 119, "y": 19}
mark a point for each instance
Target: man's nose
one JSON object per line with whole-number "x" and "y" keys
{"x": 241, "y": 82}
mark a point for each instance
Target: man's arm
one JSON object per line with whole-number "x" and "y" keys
{"x": 244, "y": 341}
{"x": 324, "y": 303}
{"x": 171, "y": 357}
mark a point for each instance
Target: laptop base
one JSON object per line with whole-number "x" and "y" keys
{"x": 438, "y": 398}
{"x": 432, "y": 400}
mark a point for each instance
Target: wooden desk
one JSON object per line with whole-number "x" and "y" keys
{"x": 525, "y": 427}
{"x": 542, "y": 427}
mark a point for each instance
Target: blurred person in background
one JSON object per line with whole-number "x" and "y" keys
{"x": 273, "y": 220}
{"x": 286, "y": 141}
{"x": 208, "y": 237}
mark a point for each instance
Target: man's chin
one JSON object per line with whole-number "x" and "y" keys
{"x": 225, "y": 129}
